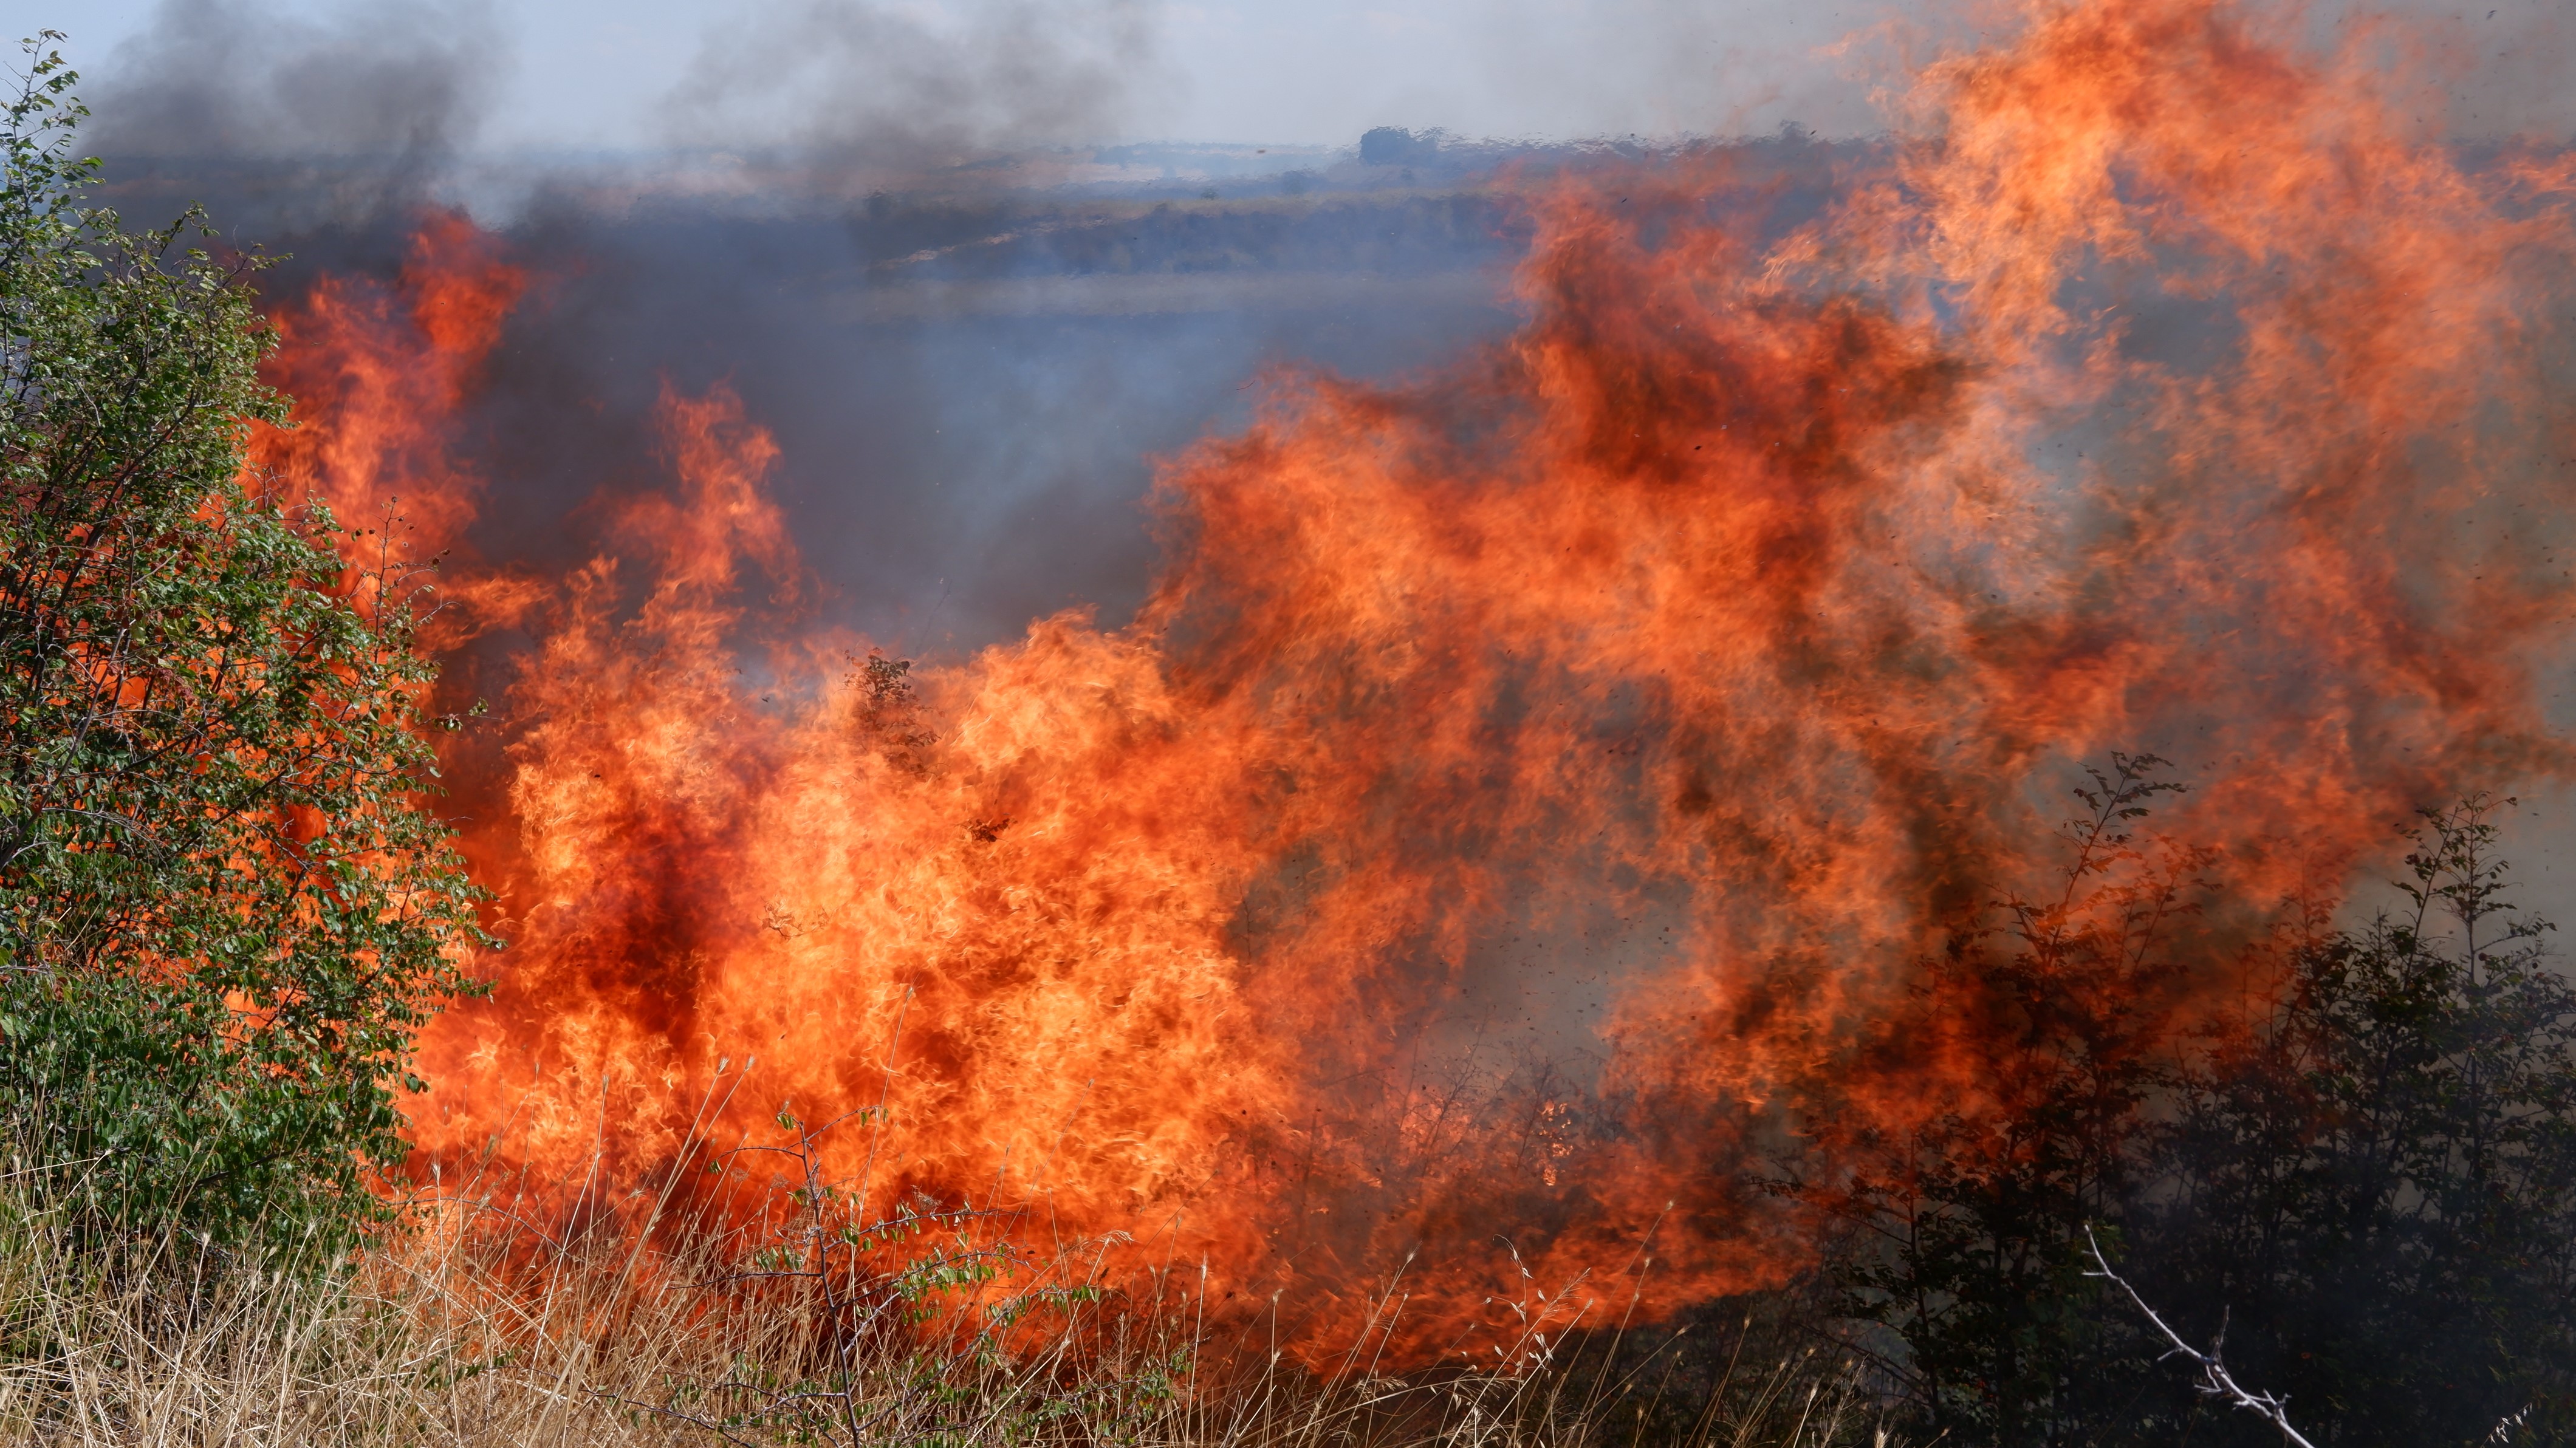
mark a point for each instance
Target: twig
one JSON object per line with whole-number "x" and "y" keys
{"x": 674, "y": 1414}
{"x": 2216, "y": 1381}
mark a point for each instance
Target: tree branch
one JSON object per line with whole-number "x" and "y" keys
{"x": 2216, "y": 1381}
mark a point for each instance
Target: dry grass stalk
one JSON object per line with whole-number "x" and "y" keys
{"x": 478, "y": 1328}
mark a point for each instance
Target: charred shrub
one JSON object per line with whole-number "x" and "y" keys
{"x": 2359, "y": 1177}
{"x": 2371, "y": 1184}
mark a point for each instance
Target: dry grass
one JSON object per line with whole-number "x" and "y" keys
{"x": 475, "y": 1328}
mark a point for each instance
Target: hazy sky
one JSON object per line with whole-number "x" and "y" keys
{"x": 648, "y": 72}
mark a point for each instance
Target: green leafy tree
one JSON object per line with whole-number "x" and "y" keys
{"x": 224, "y": 914}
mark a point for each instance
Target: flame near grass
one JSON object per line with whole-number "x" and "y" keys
{"x": 1720, "y": 641}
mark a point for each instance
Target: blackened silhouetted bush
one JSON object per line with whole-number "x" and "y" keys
{"x": 2363, "y": 1180}
{"x": 2373, "y": 1182}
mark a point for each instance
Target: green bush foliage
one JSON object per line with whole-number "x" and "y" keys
{"x": 224, "y": 912}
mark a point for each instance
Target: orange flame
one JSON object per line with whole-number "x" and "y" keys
{"x": 378, "y": 375}
{"x": 1670, "y": 679}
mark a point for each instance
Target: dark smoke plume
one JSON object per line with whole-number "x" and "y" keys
{"x": 280, "y": 123}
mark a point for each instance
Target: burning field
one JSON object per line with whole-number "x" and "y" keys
{"x": 1520, "y": 844}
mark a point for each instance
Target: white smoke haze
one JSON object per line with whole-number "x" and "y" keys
{"x": 961, "y": 75}
{"x": 945, "y": 83}
{"x": 958, "y": 76}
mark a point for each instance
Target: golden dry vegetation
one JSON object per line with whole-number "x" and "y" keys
{"x": 474, "y": 1326}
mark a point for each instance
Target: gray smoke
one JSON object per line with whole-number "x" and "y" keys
{"x": 280, "y": 122}
{"x": 889, "y": 90}
{"x": 388, "y": 81}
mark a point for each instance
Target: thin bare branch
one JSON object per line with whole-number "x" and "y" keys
{"x": 2215, "y": 1381}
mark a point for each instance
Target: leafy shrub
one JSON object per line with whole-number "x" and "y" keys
{"x": 223, "y": 912}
